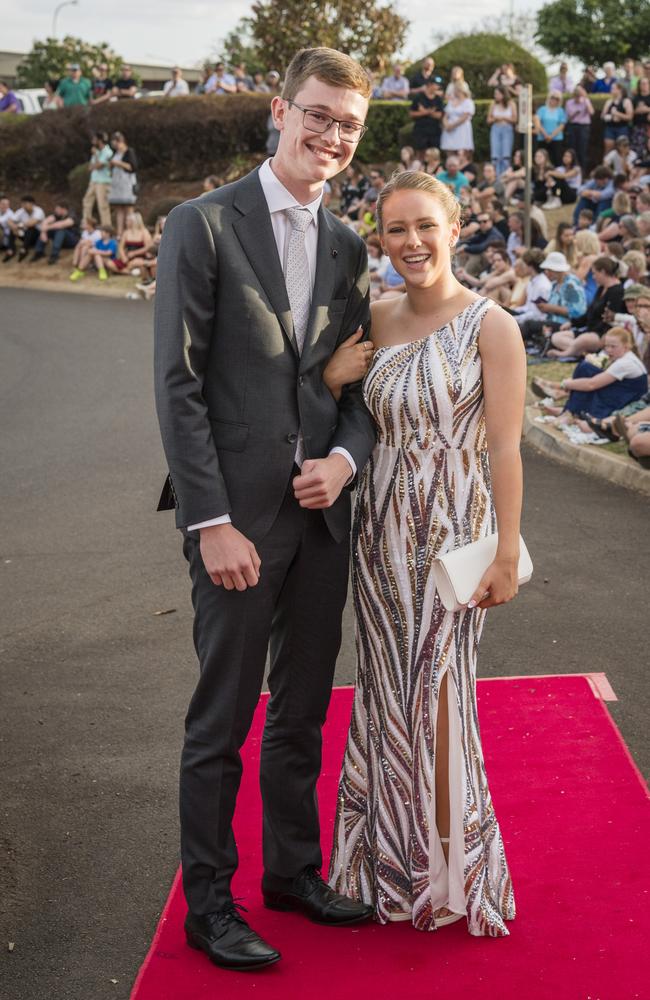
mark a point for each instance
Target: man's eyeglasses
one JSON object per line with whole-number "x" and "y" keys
{"x": 318, "y": 121}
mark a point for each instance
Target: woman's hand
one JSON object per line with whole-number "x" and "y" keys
{"x": 349, "y": 363}
{"x": 500, "y": 583}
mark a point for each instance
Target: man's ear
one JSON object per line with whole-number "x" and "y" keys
{"x": 279, "y": 109}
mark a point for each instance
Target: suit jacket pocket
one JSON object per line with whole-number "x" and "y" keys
{"x": 228, "y": 435}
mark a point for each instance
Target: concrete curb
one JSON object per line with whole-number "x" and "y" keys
{"x": 553, "y": 443}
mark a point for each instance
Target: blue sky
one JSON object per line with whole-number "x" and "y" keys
{"x": 169, "y": 31}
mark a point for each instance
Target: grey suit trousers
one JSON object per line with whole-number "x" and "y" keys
{"x": 298, "y": 601}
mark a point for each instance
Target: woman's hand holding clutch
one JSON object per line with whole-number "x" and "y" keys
{"x": 499, "y": 584}
{"x": 349, "y": 363}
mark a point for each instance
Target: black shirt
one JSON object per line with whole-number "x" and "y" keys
{"x": 426, "y": 130}
{"x": 101, "y": 87}
{"x": 123, "y": 84}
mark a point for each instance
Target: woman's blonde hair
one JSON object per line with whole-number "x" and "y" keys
{"x": 586, "y": 242}
{"x": 329, "y": 66}
{"x": 621, "y": 203}
{"x": 635, "y": 258}
{"x": 138, "y": 221}
{"x": 415, "y": 180}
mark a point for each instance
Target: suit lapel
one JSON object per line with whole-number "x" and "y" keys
{"x": 326, "y": 254}
{"x": 255, "y": 233}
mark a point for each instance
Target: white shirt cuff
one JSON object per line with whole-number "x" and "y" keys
{"x": 346, "y": 454}
{"x": 223, "y": 519}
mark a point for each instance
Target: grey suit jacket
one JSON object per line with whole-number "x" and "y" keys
{"x": 232, "y": 390}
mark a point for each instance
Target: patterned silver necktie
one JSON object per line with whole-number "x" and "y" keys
{"x": 298, "y": 282}
{"x": 297, "y": 275}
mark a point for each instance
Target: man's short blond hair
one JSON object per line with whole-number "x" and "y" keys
{"x": 328, "y": 66}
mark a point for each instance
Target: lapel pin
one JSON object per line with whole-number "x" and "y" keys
{"x": 333, "y": 252}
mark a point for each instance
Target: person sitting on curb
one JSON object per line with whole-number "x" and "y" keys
{"x": 7, "y": 215}
{"x": 104, "y": 250}
{"x": 89, "y": 237}
{"x": 25, "y": 226}
{"x": 60, "y": 229}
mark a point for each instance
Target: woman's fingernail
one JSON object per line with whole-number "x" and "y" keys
{"x": 472, "y": 604}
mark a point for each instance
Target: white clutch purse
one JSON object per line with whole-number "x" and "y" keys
{"x": 457, "y": 574}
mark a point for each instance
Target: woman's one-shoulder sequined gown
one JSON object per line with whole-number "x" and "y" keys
{"x": 425, "y": 490}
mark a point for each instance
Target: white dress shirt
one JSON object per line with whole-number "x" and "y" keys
{"x": 278, "y": 200}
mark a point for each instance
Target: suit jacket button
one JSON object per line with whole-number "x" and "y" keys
{"x": 301, "y": 380}
{"x": 292, "y": 438}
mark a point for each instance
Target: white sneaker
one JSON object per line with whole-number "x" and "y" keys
{"x": 552, "y": 203}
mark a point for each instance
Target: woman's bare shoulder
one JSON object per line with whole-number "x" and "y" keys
{"x": 382, "y": 313}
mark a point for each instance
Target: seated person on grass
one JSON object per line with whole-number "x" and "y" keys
{"x": 597, "y": 392}
{"x": 573, "y": 341}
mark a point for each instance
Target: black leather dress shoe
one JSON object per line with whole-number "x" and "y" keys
{"x": 228, "y": 941}
{"x": 310, "y": 894}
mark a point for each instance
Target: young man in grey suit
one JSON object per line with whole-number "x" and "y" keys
{"x": 257, "y": 286}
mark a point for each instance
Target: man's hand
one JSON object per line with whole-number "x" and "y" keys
{"x": 321, "y": 481}
{"x": 229, "y": 558}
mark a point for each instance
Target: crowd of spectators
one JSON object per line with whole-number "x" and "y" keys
{"x": 580, "y": 293}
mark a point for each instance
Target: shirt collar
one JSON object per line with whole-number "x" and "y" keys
{"x": 278, "y": 198}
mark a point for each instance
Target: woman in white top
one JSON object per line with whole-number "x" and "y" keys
{"x": 457, "y": 130}
{"x": 537, "y": 290}
{"x": 456, "y": 77}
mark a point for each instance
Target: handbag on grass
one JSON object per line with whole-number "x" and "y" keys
{"x": 457, "y": 574}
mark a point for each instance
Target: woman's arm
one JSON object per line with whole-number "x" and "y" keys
{"x": 497, "y": 280}
{"x": 628, "y": 114}
{"x": 588, "y": 384}
{"x": 490, "y": 116}
{"x": 348, "y": 364}
{"x": 504, "y": 388}
{"x": 538, "y": 126}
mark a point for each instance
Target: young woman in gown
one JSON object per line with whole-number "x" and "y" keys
{"x": 416, "y": 834}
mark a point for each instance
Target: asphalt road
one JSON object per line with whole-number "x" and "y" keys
{"x": 95, "y": 683}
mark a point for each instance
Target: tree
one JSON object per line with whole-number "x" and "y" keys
{"x": 47, "y": 60}
{"x": 480, "y": 55}
{"x": 239, "y": 47}
{"x": 368, "y": 30}
{"x": 595, "y": 30}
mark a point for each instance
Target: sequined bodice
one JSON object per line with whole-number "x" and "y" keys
{"x": 428, "y": 394}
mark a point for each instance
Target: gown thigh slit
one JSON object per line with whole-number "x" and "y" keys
{"x": 424, "y": 491}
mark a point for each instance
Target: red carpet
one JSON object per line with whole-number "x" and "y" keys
{"x": 574, "y": 817}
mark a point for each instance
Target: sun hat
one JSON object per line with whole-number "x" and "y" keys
{"x": 556, "y": 261}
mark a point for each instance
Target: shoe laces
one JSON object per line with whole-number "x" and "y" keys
{"x": 232, "y": 911}
{"x": 312, "y": 875}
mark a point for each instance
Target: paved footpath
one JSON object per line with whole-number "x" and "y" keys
{"x": 95, "y": 683}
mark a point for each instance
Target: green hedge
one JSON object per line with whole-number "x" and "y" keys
{"x": 175, "y": 139}
{"x": 185, "y": 138}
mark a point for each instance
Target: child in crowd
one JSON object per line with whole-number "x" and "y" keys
{"x": 90, "y": 235}
{"x": 103, "y": 251}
